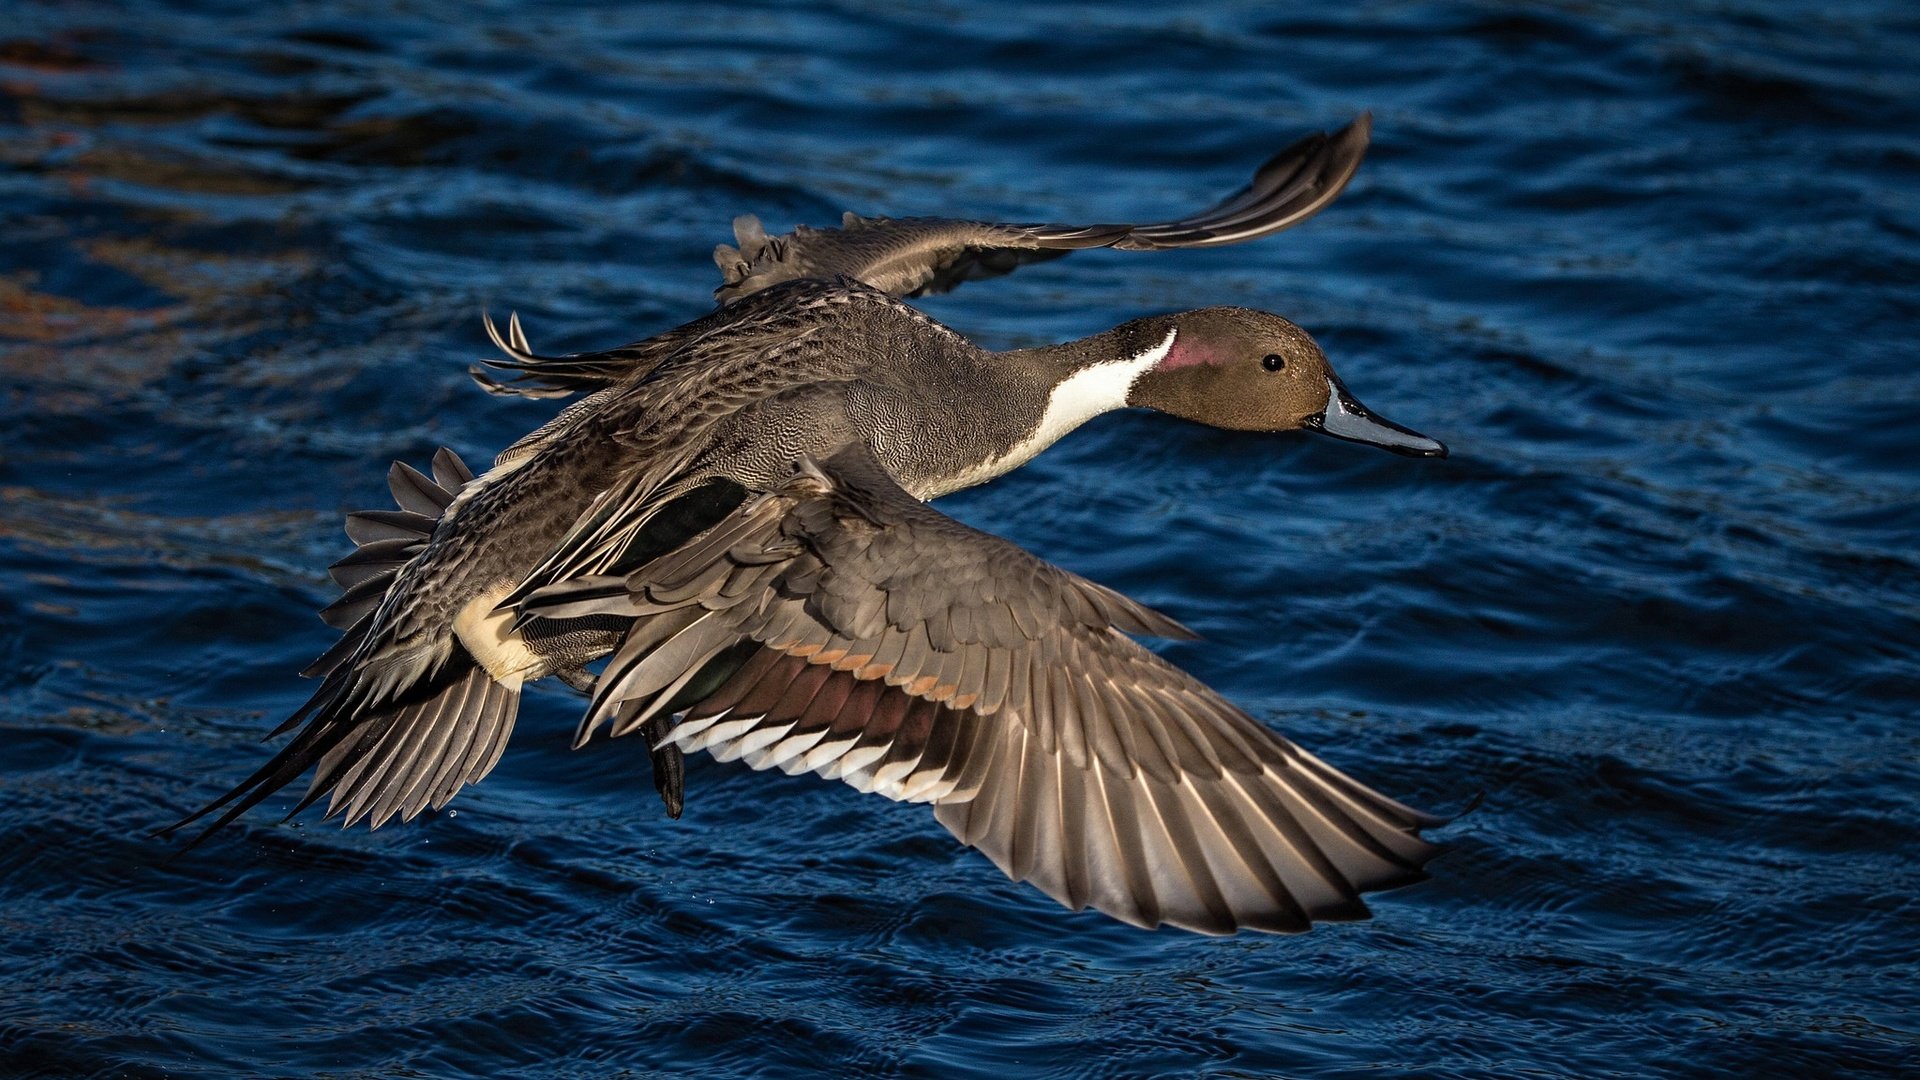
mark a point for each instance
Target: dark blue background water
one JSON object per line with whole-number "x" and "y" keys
{"x": 1649, "y": 268}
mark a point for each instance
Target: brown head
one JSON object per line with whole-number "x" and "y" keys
{"x": 1250, "y": 370}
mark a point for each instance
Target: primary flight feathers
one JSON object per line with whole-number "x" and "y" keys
{"x": 917, "y": 255}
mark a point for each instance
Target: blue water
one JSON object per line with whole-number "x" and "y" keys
{"x": 1650, "y": 268}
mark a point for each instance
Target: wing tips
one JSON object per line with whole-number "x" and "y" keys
{"x": 1287, "y": 189}
{"x": 1274, "y": 852}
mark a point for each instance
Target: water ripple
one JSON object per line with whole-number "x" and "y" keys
{"x": 1648, "y": 268}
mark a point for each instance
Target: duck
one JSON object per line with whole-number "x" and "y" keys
{"x": 733, "y": 523}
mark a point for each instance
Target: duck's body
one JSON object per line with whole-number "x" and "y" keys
{"x": 734, "y": 514}
{"x": 801, "y": 371}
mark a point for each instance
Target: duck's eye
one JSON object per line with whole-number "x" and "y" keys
{"x": 1273, "y": 361}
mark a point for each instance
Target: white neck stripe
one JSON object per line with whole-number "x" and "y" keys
{"x": 1088, "y": 393}
{"x": 1080, "y": 397}
{"x": 1091, "y": 391}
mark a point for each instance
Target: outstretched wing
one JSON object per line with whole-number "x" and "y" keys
{"x": 838, "y": 626}
{"x": 912, "y": 256}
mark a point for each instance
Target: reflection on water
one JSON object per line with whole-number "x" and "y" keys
{"x": 1648, "y": 269}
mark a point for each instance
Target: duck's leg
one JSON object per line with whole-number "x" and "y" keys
{"x": 669, "y": 765}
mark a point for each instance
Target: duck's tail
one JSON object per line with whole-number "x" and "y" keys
{"x": 392, "y": 736}
{"x": 531, "y": 374}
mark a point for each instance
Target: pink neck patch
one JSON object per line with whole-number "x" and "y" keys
{"x": 1186, "y": 353}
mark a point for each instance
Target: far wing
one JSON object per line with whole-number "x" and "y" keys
{"x": 838, "y": 626}
{"x": 917, "y": 255}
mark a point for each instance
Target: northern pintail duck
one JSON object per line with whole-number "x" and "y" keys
{"x": 735, "y": 520}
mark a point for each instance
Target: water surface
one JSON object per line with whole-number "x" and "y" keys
{"x": 1649, "y": 268}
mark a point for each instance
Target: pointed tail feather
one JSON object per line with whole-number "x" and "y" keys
{"x": 382, "y": 750}
{"x": 398, "y": 758}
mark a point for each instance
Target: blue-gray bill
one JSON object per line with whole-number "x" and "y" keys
{"x": 1345, "y": 418}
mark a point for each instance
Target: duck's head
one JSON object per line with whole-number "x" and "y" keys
{"x": 1253, "y": 371}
